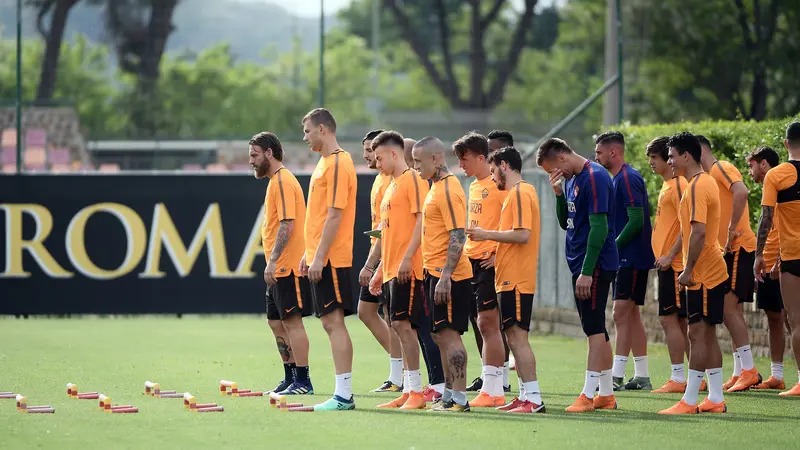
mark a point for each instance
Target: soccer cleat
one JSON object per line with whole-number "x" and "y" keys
{"x": 582, "y": 404}
{"x": 681, "y": 408}
{"x": 515, "y": 403}
{"x": 708, "y": 407}
{"x": 484, "y": 400}
{"x": 282, "y": 386}
{"x": 704, "y": 386}
{"x": 298, "y": 388}
{"x": 507, "y": 388}
{"x": 771, "y": 383}
{"x": 729, "y": 384}
{"x": 477, "y": 385}
{"x": 434, "y": 404}
{"x": 528, "y": 407}
{"x": 671, "y": 387}
{"x": 336, "y": 403}
{"x": 619, "y": 383}
{"x": 604, "y": 402}
{"x": 388, "y": 386}
{"x": 451, "y": 406}
{"x": 639, "y": 384}
{"x": 430, "y": 394}
{"x": 747, "y": 379}
{"x": 415, "y": 401}
{"x": 793, "y": 392}
{"x": 396, "y": 403}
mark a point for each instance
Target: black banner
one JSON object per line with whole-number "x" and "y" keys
{"x": 139, "y": 244}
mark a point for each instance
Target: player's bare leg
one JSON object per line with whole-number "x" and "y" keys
{"x": 790, "y": 290}
{"x": 412, "y": 397}
{"x": 638, "y": 336}
{"x": 733, "y": 318}
{"x": 299, "y": 353}
{"x": 600, "y": 359}
{"x": 531, "y": 398}
{"x": 395, "y": 381}
{"x": 285, "y": 350}
{"x": 342, "y": 351}
{"x": 368, "y": 314}
{"x": 492, "y": 359}
{"x": 677, "y": 339}
{"x": 777, "y": 346}
{"x": 454, "y": 359}
{"x": 697, "y": 367}
{"x": 622, "y": 312}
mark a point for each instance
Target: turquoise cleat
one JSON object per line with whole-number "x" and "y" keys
{"x": 336, "y": 403}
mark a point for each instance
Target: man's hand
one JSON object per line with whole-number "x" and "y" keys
{"x": 732, "y": 235}
{"x": 269, "y": 273}
{"x": 663, "y": 263}
{"x": 315, "y": 271}
{"x": 404, "y": 271}
{"x": 685, "y": 279}
{"x": 759, "y": 268}
{"x": 365, "y": 275}
{"x": 477, "y": 234}
{"x": 376, "y": 283}
{"x": 556, "y": 180}
{"x": 583, "y": 287}
{"x": 488, "y": 263}
{"x": 441, "y": 294}
{"x": 303, "y": 267}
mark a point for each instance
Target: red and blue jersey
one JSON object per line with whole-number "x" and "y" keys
{"x": 589, "y": 192}
{"x": 630, "y": 191}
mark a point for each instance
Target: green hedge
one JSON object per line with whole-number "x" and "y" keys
{"x": 731, "y": 140}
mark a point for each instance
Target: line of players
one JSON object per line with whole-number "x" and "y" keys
{"x": 427, "y": 255}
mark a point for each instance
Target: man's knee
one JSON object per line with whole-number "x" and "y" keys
{"x": 276, "y": 326}
{"x": 332, "y": 321}
{"x": 622, "y": 310}
{"x": 668, "y": 322}
{"x": 488, "y": 323}
{"x": 367, "y": 311}
{"x": 697, "y": 333}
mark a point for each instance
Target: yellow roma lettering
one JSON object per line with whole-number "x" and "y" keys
{"x": 15, "y": 244}
{"x": 252, "y": 250}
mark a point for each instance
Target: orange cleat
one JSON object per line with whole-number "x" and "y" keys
{"x": 484, "y": 400}
{"x": 729, "y": 384}
{"x": 747, "y": 379}
{"x": 396, "y": 403}
{"x": 582, "y": 404}
{"x": 415, "y": 401}
{"x": 671, "y": 387}
{"x": 708, "y": 407}
{"x": 704, "y": 386}
{"x": 771, "y": 383}
{"x": 515, "y": 403}
{"x": 604, "y": 402}
{"x": 681, "y": 408}
{"x": 793, "y": 392}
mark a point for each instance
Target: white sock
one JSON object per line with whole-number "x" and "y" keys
{"x": 618, "y": 369}
{"x": 492, "y": 379}
{"x": 737, "y": 364}
{"x": 715, "y": 385}
{"x": 606, "y": 383}
{"x": 414, "y": 381}
{"x": 344, "y": 385}
{"x": 460, "y": 397}
{"x": 746, "y": 356}
{"x": 678, "y": 374}
{"x": 777, "y": 370}
{"x": 532, "y": 393}
{"x": 693, "y": 387}
{"x": 591, "y": 383}
{"x": 522, "y": 388}
{"x": 396, "y": 371}
{"x": 505, "y": 374}
{"x": 406, "y": 384}
{"x": 640, "y": 367}
{"x": 439, "y": 388}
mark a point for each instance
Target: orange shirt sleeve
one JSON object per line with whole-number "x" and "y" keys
{"x": 699, "y": 203}
{"x": 338, "y": 181}
{"x": 769, "y": 193}
{"x": 416, "y": 196}
{"x": 728, "y": 174}
{"x": 286, "y": 200}
{"x": 453, "y": 207}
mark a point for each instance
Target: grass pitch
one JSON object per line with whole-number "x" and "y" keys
{"x": 115, "y": 356}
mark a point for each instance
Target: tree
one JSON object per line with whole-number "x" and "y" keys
{"x": 53, "y": 36}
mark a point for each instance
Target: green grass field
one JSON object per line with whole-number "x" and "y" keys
{"x": 115, "y": 356}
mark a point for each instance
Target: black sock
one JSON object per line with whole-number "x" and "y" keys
{"x": 302, "y": 373}
{"x": 288, "y": 371}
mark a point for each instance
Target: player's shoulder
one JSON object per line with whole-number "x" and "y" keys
{"x": 705, "y": 182}
{"x": 597, "y": 172}
{"x": 339, "y": 160}
{"x": 783, "y": 170}
{"x": 633, "y": 173}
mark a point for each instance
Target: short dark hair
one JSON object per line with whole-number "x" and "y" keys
{"x": 321, "y": 116}
{"x": 658, "y": 147}
{"x": 508, "y": 154}
{"x": 267, "y": 140}
{"x": 610, "y": 137}
{"x": 501, "y": 135}
{"x": 686, "y": 142}
{"x": 764, "y": 153}
{"x": 704, "y": 140}
{"x": 793, "y": 134}
{"x": 551, "y": 148}
{"x": 471, "y": 142}
{"x": 371, "y": 135}
{"x": 389, "y": 138}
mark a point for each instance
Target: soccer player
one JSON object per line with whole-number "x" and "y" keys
{"x": 584, "y": 203}
{"x": 768, "y": 285}
{"x": 328, "y": 258}
{"x": 448, "y": 275}
{"x": 666, "y": 244}
{"x": 781, "y": 200}
{"x": 368, "y": 304}
{"x": 499, "y": 139}
{"x": 485, "y": 204}
{"x": 516, "y": 261}
{"x": 739, "y": 243}
{"x": 631, "y": 221}
{"x": 288, "y": 295}
{"x": 401, "y": 228}
{"x": 704, "y": 275}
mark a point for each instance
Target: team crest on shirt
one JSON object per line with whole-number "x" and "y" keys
{"x": 485, "y": 193}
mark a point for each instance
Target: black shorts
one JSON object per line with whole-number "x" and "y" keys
{"x": 592, "y": 311}
{"x": 291, "y": 295}
{"x": 406, "y": 301}
{"x": 516, "y": 308}
{"x": 671, "y": 298}
{"x": 707, "y": 304}
{"x": 740, "y": 274}
{"x": 334, "y": 291}
{"x": 454, "y": 314}
{"x": 791, "y": 267}
{"x": 365, "y": 296}
{"x": 484, "y": 295}
{"x": 768, "y": 295}
{"x": 631, "y": 284}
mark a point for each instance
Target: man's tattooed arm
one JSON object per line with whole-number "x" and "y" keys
{"x": 284, "y": 233}
{"x": 764, "y": 227}
{"x": 454, "y": 249}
